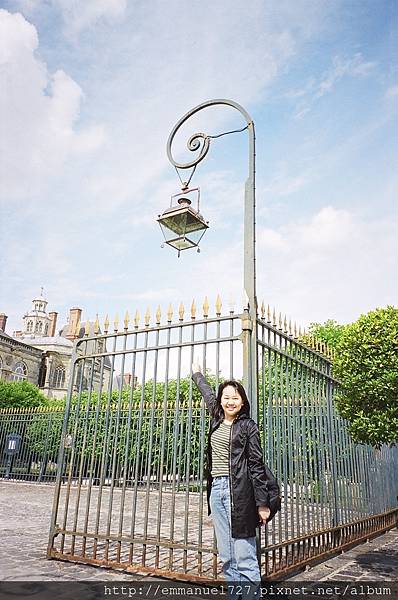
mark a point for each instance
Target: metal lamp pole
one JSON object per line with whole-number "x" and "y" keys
{"x": 200, "y": 142}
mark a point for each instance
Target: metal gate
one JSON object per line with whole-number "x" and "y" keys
{"x": 130, "y": 490}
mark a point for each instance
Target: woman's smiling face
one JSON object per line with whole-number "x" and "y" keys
{"x": 231, "y": 402}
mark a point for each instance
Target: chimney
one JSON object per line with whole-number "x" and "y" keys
{"x": 3, "y": 321}
{"x": 74, "y": 323}
{"x": 53, "y": 323}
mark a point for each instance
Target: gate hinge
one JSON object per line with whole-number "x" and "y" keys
{"x": 247, "y": 323}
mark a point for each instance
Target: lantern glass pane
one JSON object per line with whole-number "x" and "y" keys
{"x": 194, "y": 224}
{"x": 195, "y": 236}
{"x": 175, "y": 224}
{"x": 181, "y": 243}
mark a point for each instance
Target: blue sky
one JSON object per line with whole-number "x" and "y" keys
{"x": 90, "y": 93}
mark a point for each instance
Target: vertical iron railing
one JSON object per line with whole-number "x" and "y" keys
{"x": 38, "y": 431}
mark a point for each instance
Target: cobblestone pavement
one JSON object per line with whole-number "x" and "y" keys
{"x": 376, "y": 560}
{"x": 25, "y": 511}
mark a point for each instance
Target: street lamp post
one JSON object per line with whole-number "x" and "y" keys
{"x": 200, "y": 142}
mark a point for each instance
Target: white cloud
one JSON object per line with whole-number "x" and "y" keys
{"x": 332, "y": 265}
{"x": 39, "y": 112}
{"x": 76, "y": 16}
{"x": 327, "y": 228}
{"x": 315, "y": 89}
{"x": 355, "y": 66}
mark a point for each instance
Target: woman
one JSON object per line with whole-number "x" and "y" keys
{"x": 242, "y": 493}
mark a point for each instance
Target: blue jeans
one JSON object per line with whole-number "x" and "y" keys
{"x": 239, "y": 556}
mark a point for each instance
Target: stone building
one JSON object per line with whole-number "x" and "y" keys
{"x": 42, "y": 355}
{"x": 18, "y": 360}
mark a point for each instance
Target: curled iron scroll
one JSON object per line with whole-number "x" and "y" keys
{"x": 199, "y": 141}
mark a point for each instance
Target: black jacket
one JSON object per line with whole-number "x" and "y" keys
{"x": 251, "y": 482}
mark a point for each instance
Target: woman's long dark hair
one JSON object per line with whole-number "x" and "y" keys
{"x": 219, "y": 411}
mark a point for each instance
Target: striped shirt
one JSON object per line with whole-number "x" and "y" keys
{"x": 220, "y": 440}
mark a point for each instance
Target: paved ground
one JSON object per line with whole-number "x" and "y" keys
{"x": 376, "y": 560}
{"x": 24, "y": 525}
{"x": 25, "y": 511}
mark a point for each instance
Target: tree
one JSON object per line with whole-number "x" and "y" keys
{"x": 20, "y": 394}
{"x": 329, "y": 332}
{"x": 366, "y": 364}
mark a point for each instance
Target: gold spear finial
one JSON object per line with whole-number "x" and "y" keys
{"x": 274, "y": 318}
{"x": 147, "y": 317}
{"x": 205, "y": 308}
{"x": 87, "y": 328}
{"x": 290, "y": 328}
{"x": 285, "y": 325}
{"x": 193, "y": 310}
{"x": 106, "y": 324}
{"x": 280, "y": 321}
{"x": 126, "y": 321}
{"x": 116, "y": 324}
{"x": 158, "y": 315}
{"x": 268, "y": 314}
{"x": 295, "y": 330}
{"x": 170, "y": 314}
{"x": 181, "y": 311}
{"x": 136, "y": 319}
{"x": 96, "y": 326}
{"x": 262, "y": 310}
{"x": 218, "y": 305}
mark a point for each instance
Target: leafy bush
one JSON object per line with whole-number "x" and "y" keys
{"x": 20, "y": 394}
{"x": 367, "y": 367}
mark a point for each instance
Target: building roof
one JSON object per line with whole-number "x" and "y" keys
{"x": 49, "y": 341}
{"x": 7, "y": 339}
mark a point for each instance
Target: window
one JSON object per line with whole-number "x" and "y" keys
{"x": 58, "y": 378}
{"x": 42, "y": 373}
{"x": 20, "y": 372}
{"x": 39, "y": 327}
{"x": 29, "y": 328}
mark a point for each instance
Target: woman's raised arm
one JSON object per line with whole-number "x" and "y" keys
{"x": 205, "y": 389}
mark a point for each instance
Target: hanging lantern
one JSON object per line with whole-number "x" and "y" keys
{"x": 182, "y": 225}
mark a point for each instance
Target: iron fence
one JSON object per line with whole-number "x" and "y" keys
{"x": 130, "y": 491}
{"x": 334, "y": 491}
{"x": 29, "y": 443}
